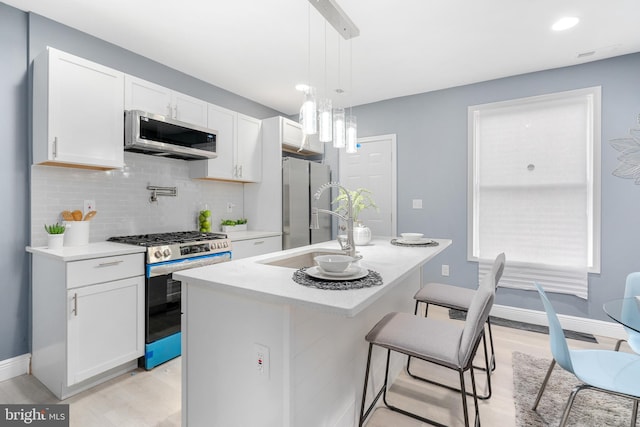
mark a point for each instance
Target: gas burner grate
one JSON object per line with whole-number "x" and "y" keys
{"x": 172, "y": 238}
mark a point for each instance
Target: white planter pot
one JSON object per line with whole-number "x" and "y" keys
{"x": 55, "y": 241}
{"x": 361, "y": 235}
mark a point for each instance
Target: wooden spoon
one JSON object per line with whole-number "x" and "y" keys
{"x": 90, "y": 215}
{"x": 67, "y": 216}
{"x": 77, "y": 215}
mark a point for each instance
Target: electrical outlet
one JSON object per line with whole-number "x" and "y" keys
{"x": 230, "y": 207}
{"x": 416, "y": 204}
{"x": 89, "y": 205}
{"x": 445, "y": 270}
{"x": 261, "y": 360}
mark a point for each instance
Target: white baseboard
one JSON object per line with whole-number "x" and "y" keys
{"x": 577, "y": 324}
{"x": 14, "y": 367}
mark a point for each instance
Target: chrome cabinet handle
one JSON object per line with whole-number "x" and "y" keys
{"x": 75, "y": 304}
{"x": 259, "y": 242}
{"x": 109, "y": 264}
{"x": 240, "y": 171}
{"x": 54, "y": 149}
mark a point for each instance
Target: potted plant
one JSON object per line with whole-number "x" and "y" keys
{"x": 361, "y": 199}
{"x": 55, "y": 235}
{"x": 229, "y": 225}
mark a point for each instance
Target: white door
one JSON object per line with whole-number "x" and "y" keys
{"x": 374, "y": 167}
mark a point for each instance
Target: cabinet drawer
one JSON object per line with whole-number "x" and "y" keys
{"x": 99, "y": 270}
{"x": 252, "y": 247}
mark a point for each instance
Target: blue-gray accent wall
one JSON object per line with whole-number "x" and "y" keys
{"x": 14, "y": 188}
{"x": 432, "y": 145}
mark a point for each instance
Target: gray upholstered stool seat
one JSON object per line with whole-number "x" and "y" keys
{"x": 455, "y": 297}
{"x": 433, "y": 340}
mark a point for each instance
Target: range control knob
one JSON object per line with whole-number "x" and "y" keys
{"x": 226, "y": 244}
{"x": 166, "y": 252}
{"x": 157, "y": 254}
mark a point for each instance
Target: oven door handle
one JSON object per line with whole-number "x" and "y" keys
{"x": 171, "y": 267}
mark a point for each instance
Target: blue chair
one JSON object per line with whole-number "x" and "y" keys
{"x": 631, "y": 289}
{"x": 602, "y": 370}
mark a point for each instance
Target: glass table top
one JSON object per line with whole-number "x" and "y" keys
{"x": 625, "y": 311}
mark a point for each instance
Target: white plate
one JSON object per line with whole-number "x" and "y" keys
{"x": 414, "y": 242}
{"x": 352, "y": 273}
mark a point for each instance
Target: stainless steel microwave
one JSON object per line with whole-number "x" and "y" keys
{"x": 162, "y": 136}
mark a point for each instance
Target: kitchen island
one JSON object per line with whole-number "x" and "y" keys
{"x": 262, "y": 350}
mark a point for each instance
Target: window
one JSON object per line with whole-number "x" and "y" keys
{"x": 534, "y": 189}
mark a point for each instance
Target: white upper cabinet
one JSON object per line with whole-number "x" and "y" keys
{"x": 238, "y": 145}
{"x": 78, "y": 112}
{"x": 152, "y": 98}
{"x": 292, "y": 138}
{"x": 249, "y": 149}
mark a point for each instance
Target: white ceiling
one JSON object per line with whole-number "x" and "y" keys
{"x": 259, "y": 49}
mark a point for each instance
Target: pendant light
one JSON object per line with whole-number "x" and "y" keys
{"x": 338, "y": 128}
{"x": 351, "y": 124}
{"x": 308, "y": 111}
{"x": 325, "y": 119}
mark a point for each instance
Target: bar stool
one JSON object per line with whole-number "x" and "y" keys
{"x": 457, "y": 298}
{"x": 440, "y": 342}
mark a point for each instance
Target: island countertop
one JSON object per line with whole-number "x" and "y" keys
{"x": 251, "y": 277}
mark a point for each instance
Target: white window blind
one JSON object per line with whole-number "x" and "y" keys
{"x": 534, "y": 190}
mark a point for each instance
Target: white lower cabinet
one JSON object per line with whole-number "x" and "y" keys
{"x": 104, "y": 329}
{"x": 252, "y": 247}
{"x": 88, "y": 320}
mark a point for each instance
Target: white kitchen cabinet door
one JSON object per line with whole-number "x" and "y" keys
{"x": 252, "y": 247}
{"x": 292, "y": 138}
{"x": 238, "y": 146}
{"x": 152, "y": 98}
{"x": 223, "y": 121}
{"x": 105, "y": 327}
{"x": 249, "y": 149}
{"x": 189, "y": 109}
{"x": 78, "y": 112}
{"x": 146, "y": 96}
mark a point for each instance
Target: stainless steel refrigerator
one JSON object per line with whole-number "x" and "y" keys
{"x": 300, "y": 181}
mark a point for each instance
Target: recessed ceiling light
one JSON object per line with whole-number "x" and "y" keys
{"x": 565, "y": 23}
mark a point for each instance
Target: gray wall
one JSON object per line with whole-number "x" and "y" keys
{"x": 14, "y": 190}
{"x": 431, "y": 133}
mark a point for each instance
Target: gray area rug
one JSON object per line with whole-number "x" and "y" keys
{"x": 590, "y": 408}
{"x": 498, "y": 321}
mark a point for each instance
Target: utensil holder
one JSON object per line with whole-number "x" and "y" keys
{"x": 76, "y": 233}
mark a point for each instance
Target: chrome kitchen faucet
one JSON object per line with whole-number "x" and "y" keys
{"x": 349, "y": 247}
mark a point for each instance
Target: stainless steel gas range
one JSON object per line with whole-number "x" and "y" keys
{"x": 167, "y": 253}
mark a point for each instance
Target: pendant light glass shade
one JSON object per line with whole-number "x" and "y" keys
{"x": 308, "y": 117}
{"x": 352, "y": 135}
{"x": 325, "y": 121}
{"x": 338, "y": 128}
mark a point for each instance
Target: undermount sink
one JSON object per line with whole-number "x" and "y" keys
{"x": 299, "y": 260}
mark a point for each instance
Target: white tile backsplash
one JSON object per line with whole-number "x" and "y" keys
{"x": 122, "y": 198}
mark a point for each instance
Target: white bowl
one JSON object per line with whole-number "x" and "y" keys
{"x": 411, "y": 236}
{"x": 334, "y": 263}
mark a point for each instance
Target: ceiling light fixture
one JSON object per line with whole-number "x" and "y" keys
{"x": 330, "y": 123}
{"x": 565, "y": 23}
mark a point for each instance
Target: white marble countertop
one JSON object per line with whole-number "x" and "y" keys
{"x": 252, "y": 278}
{"x": 92, "y": 250}
{"x": 251, "y": 234}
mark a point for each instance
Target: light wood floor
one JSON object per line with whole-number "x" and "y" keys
{"x": 152, "y": 398}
